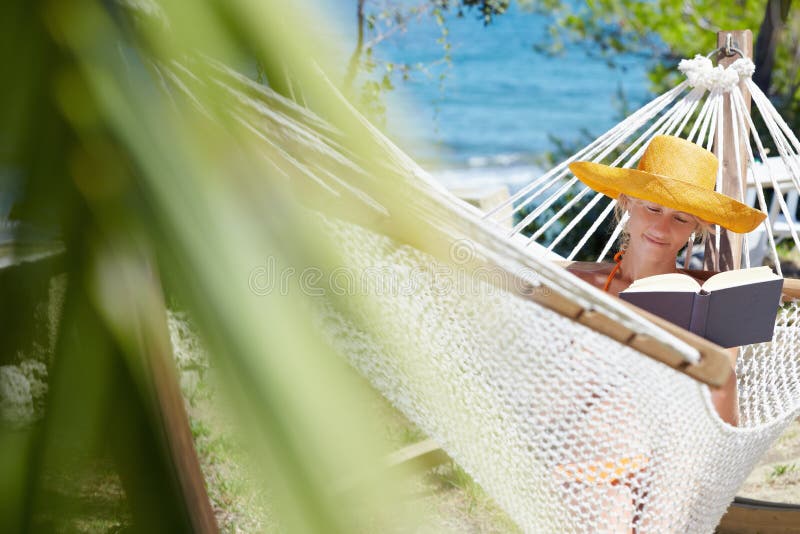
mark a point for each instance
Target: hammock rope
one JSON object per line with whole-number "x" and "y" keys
{"x": 534, "y": 381}
{"x": 670, "y": 114}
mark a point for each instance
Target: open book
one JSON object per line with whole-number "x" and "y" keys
{"x": 731, "y": 308}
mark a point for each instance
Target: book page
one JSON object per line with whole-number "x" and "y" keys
{"x": 665, "y": 282}
{"x": 739, "y": 277}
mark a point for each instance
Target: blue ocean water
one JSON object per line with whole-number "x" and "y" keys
{"x": 500, "y": 99}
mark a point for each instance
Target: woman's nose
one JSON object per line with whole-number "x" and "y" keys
{"x": 661, "y": 224}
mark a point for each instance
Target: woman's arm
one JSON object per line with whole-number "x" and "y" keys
{"x": 726, "y": 398}
{"x": 726, "y": 401}
{"x": 791, "y": 289}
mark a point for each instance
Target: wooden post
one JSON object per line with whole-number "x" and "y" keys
{"x": 729, "y": 255}
{"x": 152, "y": 441}
{"x": 152, "y": 360}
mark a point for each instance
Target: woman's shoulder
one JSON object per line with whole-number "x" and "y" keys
{"x": 588, "y": 267}
{"x": 593, "y": 272}
{"x": 596, "y": 273}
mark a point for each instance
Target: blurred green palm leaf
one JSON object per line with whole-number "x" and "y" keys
{"x": 157, "y": 162}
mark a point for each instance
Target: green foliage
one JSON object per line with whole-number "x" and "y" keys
{"x": 666, "y": 31}
{"x": 487, "y": 9}
{"x": 450, "y": 476}
{"x": 151, "y": 177}
{"x": 453, "y": 475}
{"x": 785, "y": 247}
{"x": 591, "y": 250}
{"x": 782, "y": 469}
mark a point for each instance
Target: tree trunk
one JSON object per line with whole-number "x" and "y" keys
{"x": 768, "y": 34}
{"x": 352, "y": 67}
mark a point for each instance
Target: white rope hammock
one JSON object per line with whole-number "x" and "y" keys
{"x": 669, "y": 114}
{"x": 532, "y": 380}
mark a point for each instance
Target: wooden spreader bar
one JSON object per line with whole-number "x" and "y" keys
{"x": 713, "y": 369}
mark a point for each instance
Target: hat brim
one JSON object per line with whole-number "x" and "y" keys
{"x": 671, "y": 193}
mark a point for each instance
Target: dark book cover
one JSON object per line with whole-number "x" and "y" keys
{"x": 674, "y": 306}
{"x": 729, "y": 317}
{"x": 742, "y": 315}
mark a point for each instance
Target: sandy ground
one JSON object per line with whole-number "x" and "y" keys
{"x": 776, "y": 477}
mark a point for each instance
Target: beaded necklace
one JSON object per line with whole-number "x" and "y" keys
{"x": 618, "y": 260}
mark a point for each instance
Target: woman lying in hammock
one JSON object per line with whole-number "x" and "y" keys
{"x": 670, "y": 198}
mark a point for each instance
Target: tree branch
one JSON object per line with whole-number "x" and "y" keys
{"x": 352, "y": 66}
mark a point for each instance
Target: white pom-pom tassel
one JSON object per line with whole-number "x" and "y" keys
{"x": 695, "y": 68}
{"x": 743, "y": 67}
{"x": 701, "y": 72}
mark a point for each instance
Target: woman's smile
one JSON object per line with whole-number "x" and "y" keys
{"x": 655, "y": 241}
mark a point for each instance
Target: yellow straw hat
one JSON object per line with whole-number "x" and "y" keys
{"x": 677, "y": 174}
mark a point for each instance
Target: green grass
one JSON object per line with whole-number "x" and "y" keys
{"x": 92, "y": 493}
{"x": 786, "y": 250}
{"x": 453, "y": 476}
{"x": 238, "y": 503}
{"x": 782, "y": 469}
{"x": 83, "y": 497}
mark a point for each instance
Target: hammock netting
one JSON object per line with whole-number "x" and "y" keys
{"x": 566, "y": 428}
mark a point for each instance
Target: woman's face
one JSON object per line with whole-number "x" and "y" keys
{"x": 658, "y": 231}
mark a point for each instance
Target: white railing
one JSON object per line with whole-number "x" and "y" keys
{"x": 781, "y": 226}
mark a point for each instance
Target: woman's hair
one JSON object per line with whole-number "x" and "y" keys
{"x": 703, "y": 230}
